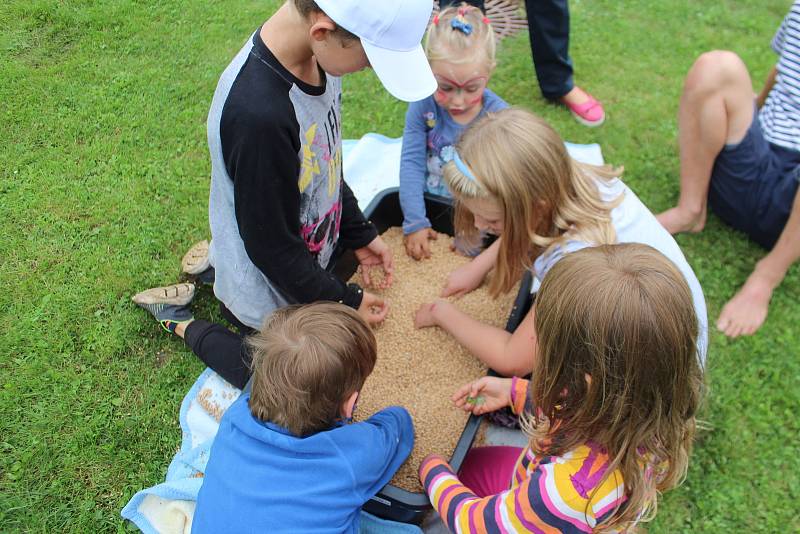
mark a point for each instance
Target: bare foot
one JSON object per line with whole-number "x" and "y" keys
{"x": 677, "y": 220}
{"x": 747, "y": 310}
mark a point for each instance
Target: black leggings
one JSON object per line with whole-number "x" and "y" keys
{"x": 225, "y": 351}
{"x": 221, "y": 349}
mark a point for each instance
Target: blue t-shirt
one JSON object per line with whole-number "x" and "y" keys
{"x": 260, "y": 478}
{"x": 429, "y": 128}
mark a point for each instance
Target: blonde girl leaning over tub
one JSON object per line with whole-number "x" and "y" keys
{"x": 511, "y": 175}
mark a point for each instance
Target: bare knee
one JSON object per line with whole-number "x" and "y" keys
{"x": 717, "y": 71}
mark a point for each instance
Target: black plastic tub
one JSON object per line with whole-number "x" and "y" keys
{"x": 384, "y": 211}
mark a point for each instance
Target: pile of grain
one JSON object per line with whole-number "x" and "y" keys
{"x": 421, "y": 369}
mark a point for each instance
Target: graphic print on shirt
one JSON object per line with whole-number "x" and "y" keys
{"x": 320, "y": 183}
{"x": 433, "y": 181}
{"x": 430, "y": 120}
{"x": 318, "y": 235}
{"x": 310, "y": 166}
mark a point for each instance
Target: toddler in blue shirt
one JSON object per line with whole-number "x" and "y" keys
{"x": 461, "y": 50}
{"x": 287, "y": 457}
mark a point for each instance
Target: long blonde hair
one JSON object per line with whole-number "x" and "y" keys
{"x": 445, "y": 43}
{"x": 519, "y": 161}
{"x": 622, "y": 315}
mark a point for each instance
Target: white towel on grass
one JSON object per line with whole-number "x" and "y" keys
{"x": 372, "y": 163}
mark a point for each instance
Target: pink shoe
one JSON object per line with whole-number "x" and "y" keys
{"x": 590, "y": 113}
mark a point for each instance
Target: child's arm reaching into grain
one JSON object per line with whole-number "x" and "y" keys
{"x": 507, "y": 353}
{"x": 470, "y": 276}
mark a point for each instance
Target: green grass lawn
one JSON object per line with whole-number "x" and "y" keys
{"x": 104, "y": 176}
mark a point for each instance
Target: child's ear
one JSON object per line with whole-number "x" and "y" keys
{"x": 321, "y": 26}
{"x": 349, "y": 406}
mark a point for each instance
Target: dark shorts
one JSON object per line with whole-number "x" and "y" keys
{"x": 753, "y": 185}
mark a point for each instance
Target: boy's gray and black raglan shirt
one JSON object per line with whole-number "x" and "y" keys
{"x": 278, "y": 204}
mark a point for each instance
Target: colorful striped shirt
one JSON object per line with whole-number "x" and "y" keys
{"x": 780, "y": 114}
{"x": 546, "y": 493}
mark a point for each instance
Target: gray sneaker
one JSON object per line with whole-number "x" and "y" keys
{"x": 176, "y": 295}
{"x": 195, "y": 261}
{"x": 169, "y": 305}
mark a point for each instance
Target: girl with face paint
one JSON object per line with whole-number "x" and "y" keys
{"x": 461, "y": 49}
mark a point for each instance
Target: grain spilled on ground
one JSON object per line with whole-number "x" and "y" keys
{"x": 420, "y": 369}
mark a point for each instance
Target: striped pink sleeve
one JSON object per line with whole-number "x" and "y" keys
{"x": 519, "y": 394}
{"x": 554, "y": 497}
{"x": 509, "y": 511}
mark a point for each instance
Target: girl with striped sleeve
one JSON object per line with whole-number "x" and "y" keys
{"x": 616, "y": 386}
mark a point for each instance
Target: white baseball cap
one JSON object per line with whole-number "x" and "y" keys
{"x": 390, "y": 32}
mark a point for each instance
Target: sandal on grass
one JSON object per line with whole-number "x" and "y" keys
{"x": 195, "y": 261}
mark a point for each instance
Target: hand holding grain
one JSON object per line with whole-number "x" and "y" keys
{"x": 377, "y": 253}
{"x": 373, "y": 309}
{"x": 418, "y": 243}
{"x": 495, "y": 393}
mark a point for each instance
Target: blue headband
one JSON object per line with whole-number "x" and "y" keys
{"x": 449, "y": 153}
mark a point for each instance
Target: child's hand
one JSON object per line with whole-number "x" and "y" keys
{"x": 425, "y": 314}
{"x": 417, "y": 245}
{"x": 462, "y": 280}
{"x": 376, "y": 253}
{"x": 484, "y": 395}
{"x": 373, "y": 308}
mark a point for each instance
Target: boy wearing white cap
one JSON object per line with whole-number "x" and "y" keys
{"x": 278, "y": 205}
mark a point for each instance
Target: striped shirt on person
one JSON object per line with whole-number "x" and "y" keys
{"x": 567, "y": 493}
{"x": 780, "y": 114}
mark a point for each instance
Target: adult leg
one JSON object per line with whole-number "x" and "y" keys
{"x": 747, "y": 310}
{"x": 716, "y": 109}
{"x": 548, "y": 28}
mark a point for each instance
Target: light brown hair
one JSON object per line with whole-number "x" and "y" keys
{"x": 520, "y": 162}
{"x": 622, "y": 315}
{"x": 444, "y": 43}
{"x": 306, "y": 7}
{"x": 307, "y": 360}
